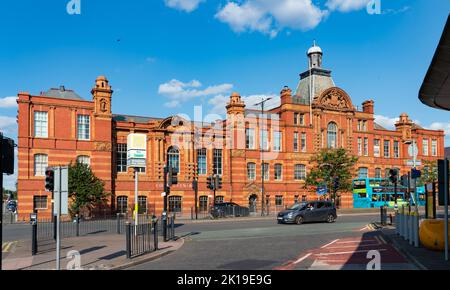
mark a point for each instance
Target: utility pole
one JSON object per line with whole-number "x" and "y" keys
{"x": 166, "y": 192}
{"x": 263, "y": 101}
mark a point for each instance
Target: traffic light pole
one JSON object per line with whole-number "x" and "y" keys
{"x": 164, "y": 214}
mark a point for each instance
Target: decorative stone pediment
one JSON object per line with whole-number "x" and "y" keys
{"x": 175, "y": 123}
{"x": 335, "y": 99}
{"x": 252, "y": 187}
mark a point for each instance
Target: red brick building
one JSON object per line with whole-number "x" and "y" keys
{"x": 58, "y": 126}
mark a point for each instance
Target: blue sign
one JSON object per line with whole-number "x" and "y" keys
{"x": 322, "y": 190}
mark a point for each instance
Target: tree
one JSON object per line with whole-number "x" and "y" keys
{"x": 429, "y": 172}
{"x": 85, "y": 190}
{"x": 330, "y": 164}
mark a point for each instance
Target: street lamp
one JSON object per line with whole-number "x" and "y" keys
{"x": 263, "y": 101}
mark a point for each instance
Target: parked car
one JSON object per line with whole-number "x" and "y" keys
{"x": 224, "y": 209}
{"x": 314, "y": 211}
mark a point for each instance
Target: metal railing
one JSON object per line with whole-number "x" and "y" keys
{"x": 231, "y": 211}
{"x": 141, "y": 238}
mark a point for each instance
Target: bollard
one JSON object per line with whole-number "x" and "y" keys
{"x": 192, "y": 213}
{"x": 411, "y": 229}
{"x": 416, "y": 231}
{"x": 118, "y": 223}
{"x": 390, "y": 219}
{"x": 128, "y": 239}
{"x": 34, "y": 238}
{"x": 77, "y": 220}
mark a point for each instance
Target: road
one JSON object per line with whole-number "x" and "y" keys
{"x": 265, "y": 245}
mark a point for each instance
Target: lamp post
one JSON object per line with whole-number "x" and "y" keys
{"x": 263, "y": 101}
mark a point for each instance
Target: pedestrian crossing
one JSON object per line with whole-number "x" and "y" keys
{"x": 8, "y": 247}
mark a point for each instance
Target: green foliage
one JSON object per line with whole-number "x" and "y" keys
{"x": 85, "y": 190}
{"x": 330, "y": 163}
{"x": 429, "y": 172}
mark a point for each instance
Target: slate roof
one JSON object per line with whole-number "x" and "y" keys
{"x": 62, "y": 93}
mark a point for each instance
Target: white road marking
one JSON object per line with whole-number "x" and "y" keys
{"x": 349, "y": 252}
{"x": 354, "y": 246}
{"x": 383, "y": 240}
{"x": 302, "y": 258}
{"x": 329, "y": 244}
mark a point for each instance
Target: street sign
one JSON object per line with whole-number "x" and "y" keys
{"x": 411, "y": 162}
{"x": 61, "y": 190}
{"x": 322, "y": 190}
{"x": 136, "y": 150}
{"x": 163, "y": 194}
{"x": 413, "y": 150}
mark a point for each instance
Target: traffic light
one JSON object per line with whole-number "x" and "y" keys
{"x": 210, "y": 183}
{"x": 49, "y": 179}
{"x": 393, "y": 175}
{"x": 336, "y": 184}
{"x": 173, "y": 178}
{"x": 7, "y": 155}
{"x": 218, "y": 182}
{"x": 195, "y": 185}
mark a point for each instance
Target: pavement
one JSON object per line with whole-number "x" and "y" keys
{"x": 423, "y": 258}
{"x": 97, "y": 252}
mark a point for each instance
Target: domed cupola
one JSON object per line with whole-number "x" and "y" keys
{"x": 315, "y": 56}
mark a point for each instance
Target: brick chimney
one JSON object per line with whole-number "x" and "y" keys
{"x": 286, "y": 95}
{"x": 368, "y": 106}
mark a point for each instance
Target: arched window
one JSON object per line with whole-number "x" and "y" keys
{"x": 332, "y": 135}
{"x": 363, "y": 172}
{"x": 83, "y": 159}
{"x": 173, "y": 156}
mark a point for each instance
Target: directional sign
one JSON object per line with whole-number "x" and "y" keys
{"x": 411, "y": 162}
{"x": 61, "y": 190}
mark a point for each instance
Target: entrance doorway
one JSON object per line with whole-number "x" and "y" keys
{"x": 252, "y": 203}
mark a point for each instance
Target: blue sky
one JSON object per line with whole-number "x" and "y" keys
{"x": 162, "y": 57}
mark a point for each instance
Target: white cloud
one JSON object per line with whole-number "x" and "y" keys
{"x": 8, "y": 124}
{"x": 219, "y": 102}
{"x": 269, "y": 17}
{"x": 441, "y": 126}
{"x": 346, "y": 5}
{"x": 179, "y": 92}
{"x": 386, "y": 122}
{"x": 183, "y": 5}
{"x": 8, "y": 102}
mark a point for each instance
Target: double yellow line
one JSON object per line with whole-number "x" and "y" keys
{"x": 6, "y": 247}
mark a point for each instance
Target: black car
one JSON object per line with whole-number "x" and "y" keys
{"x": 224, "y": 209}
{"x": 314, "y": 211}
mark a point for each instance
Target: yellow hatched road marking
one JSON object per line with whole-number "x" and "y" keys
{"x": 7, "y": 246}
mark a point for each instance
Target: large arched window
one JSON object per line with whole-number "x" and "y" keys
{"x": 332, "y": 135}
{"x": 173, "y": 156}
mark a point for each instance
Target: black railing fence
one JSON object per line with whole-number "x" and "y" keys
{"x": 141, "y": 238}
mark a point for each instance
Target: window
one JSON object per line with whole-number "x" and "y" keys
{"x": 217, "y": 161}
{"x": 386, "y": 172}
{"x": 425, "y": 147}
{"x": 201, "y": 161}
{"x": 363, "y": 172}
{"x": 359, "y": 146}
{"x": 433, "y": 147}
{"x": 250, "y": 138}
{"x": 263, "y": 140}
{"x": 173, "y": 157}
{"x": 366, "y": 146}
{"x": 364, "y": 125}
{"x": 203, "y": 203}
{"x": 266, "y": 171}
{"x": 278, "y": 200}
{"x": 303, "y": 142}
{"x": 174, "y": 203}
{"x": 377, "y": 172}
{"x": 278, "y": 172}
{"x": 40, "y": 202}
{"x": 295, "y": 141}
{"x": 332, "y": 135}
{"x": 40, "y": 164}
{"x": 251, "y": 171}
{"x": 358, "y": 127}
{"x": 277, "y": 141}
{"x": 296, "y": 198}
{"x": 386, "y": 148}
{"x": 83, "y": 127}
{"x": 396, "y": 150}
{"x": 40, "y": 124}
{"x": 295, "y": 118}
{"x": 121, "y": 158}
{"x": 142, "y": 204}
{"x": 122, "y": 204}
{"x": 376, "y": 147}
{"x": 302, "y": 119}
{"x": 83, "y": 159}
{"x": 299, "y": 172}
{"x": 219, "y": 199}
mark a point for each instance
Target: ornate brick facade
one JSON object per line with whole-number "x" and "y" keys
{"x": 316, "y": 116}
